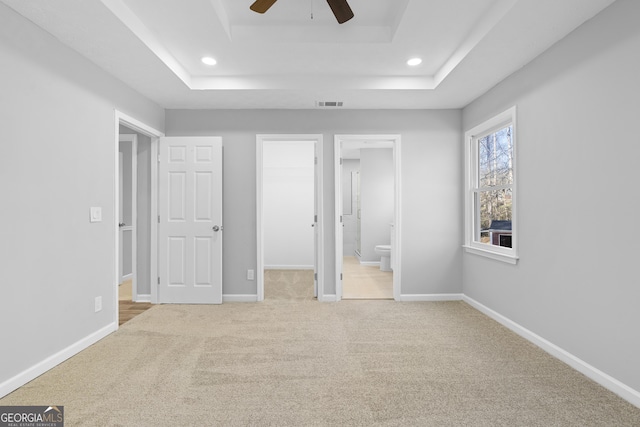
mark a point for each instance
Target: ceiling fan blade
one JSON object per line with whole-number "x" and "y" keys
{"x": 341, "y": 10}
{"x": 261, "y": 6}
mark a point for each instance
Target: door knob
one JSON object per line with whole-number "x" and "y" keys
{"x": 216, "y": 228}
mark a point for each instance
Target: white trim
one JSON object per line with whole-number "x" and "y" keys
{"x": 605, "y": 380}
{"x": 370, "y": 263}
{"x": 330, "y": 298}
{"x": 509, "y": 255}
{"x": 397, "y": 210}
{"x": 319, "y": 150}
{"x": 143, "y": 298}
{"x": 430, "y": 297}
{"x": 239, "y": 298}
{"x": 153, "y": 239}
{"x": 127, "y": 277}
{"x": 288, "y": 267}
{"x": 52, "y": 361}
{"x": 259, "y": 220}
{"x": 510, "y": 259}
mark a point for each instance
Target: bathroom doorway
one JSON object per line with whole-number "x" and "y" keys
{"x": 289, "y": 217}
{"x": 367, "y": 213}
{"x": 140, "y": 291}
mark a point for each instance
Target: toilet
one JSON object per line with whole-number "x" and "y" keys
{"x": 385, "y": 256}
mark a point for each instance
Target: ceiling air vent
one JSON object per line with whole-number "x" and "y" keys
{"x": 329, "y": 104}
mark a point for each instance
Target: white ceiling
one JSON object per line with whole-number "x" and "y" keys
{"x": 286, "y": 59}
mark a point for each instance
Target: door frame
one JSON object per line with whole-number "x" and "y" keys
{"x": 319, "y": 263}
{"x": 133, "y": 140}
{"x": 397, "y": 213}
{"x": 155, "y": 135}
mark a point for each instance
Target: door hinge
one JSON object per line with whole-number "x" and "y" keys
{"x": 158, "y": 280}
{"x": 340, "y": 218}
{"x": 315, "y": 276}
{"x": 315, "y": 160}
{"x": 158, "y": 219}
{"x": 315, "y": 218}
{"x": 340, "y": 160}
{"x": 340, "y": 276}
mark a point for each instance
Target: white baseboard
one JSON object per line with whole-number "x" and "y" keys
{"x": 629, "y": 394}
{"x": 239, "y": 298}
{"x": 430, "y": 297}
{"x": 288, "y": 267}
{"x": 52, "y": 361}
{"x": 370, "y": 263}
{"x": 328, "y": 298}
{"x": 127, "y": 277}
{"x": 143, "y": 298}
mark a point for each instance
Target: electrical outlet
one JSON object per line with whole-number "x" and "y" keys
{"x": 250, "y": 274}
{"x": 98, "y": 304}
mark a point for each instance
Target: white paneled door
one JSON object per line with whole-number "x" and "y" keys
{"x": 190, "y": 232}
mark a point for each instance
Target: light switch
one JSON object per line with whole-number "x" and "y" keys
{"x": 96, "y": 214}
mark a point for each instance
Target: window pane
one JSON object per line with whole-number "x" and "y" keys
{"x": 493, "y": 217}
{"x": 495, "y": 158}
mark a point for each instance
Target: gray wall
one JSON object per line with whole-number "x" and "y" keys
{"x": 58, "y": 160}
{"x": 376, "y": 192}
{"x": 576, "y": 283}
{"x": 431, "y": 179}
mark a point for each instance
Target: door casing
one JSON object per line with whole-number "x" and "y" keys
{"x": 397, "y": 247}
{"x": 319, "y": 264}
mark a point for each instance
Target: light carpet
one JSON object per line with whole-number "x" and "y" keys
{"x": 292, "y": 361}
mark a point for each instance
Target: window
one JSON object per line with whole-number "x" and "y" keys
{"x": 490, "y": 196}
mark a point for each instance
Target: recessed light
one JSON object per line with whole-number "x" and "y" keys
{"x": 208, "y": 60}
{"x": 414, "y": 61}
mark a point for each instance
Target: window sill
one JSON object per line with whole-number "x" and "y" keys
{"x": 509, "y": 259}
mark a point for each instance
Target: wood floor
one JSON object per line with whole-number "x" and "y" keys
{"x": 126, "y": 307}
{"x": 365, "y": 281}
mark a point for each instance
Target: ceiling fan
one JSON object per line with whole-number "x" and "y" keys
{"x": 340, "y": 8}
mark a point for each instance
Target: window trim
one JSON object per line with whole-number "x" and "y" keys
{"x": 499, "y": 253}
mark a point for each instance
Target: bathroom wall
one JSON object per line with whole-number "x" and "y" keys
{"x": 350, "y": 216}
{"x": 376, "y": 193}
{"x": 288, "y": 204}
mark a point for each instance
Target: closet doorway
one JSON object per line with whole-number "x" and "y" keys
{"x": 289, "y": 214}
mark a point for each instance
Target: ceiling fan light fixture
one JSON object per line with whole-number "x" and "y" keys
{"x": 341, "y": 10}
{"x": 413, "y": 62}
{"x": 207, "y": 60}
{"x": 261, "y": 6}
